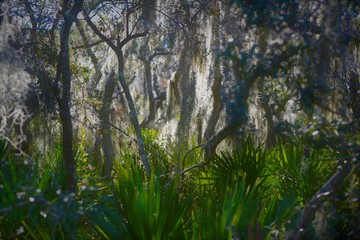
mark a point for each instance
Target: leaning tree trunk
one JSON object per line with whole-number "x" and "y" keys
{"x": 133, "y": 115}
{"x": 237, "y": 111}
{"x": 218, "y": 137}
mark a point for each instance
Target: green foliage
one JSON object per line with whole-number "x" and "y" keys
{"x": 248, "y": 161}
{"x": 19, "y": 196}
{"x": 247, "y": 192}
{"x": 32, "y": 204}
{"x": 143, "y": 210}
{"x": 225, "y": 215}
{"x": 159, "y": 157}
{"x": 300, "y": 170}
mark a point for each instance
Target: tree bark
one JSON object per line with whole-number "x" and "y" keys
{"x": 319, "y": 198}
{"x": 1, "y": 12}
{"x": 270, "y": 140}
{"x": 63, "y": 98}
{"x": 186, "y": 110}
{"x": 149, "y": 89}
{"x": 237, "y": 113}
{"x": 104, "y": 116}
{"x": 354, "y": 87}
{"x": 186, "y": 87}
{"x": 148, "y": 12}
{"x": 105, "y": 142}
{"x": 217, "y": 138}
{"x": 153, "y": 102}
{"x": 133, "y": 115}
{"x": 174, "y": 93}
{"x": 216, "y": 87}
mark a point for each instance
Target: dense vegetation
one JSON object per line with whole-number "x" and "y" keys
{"x": 249, "y": 193}
{"x": 179, "y": 119}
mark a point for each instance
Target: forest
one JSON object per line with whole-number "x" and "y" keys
{"x": 187, "y": 119}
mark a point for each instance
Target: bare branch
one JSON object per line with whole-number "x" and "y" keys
{"x": 98, "y": 32}
{"x": 182, "y": 173}
{"x": 131, "y": 37}
{"x": 320, "y": 197}
{"x": 88, "y": 45}
{"x": 159, "y": 54}
{"x": 192, "y": 167}
{"x": 192, "y": 149}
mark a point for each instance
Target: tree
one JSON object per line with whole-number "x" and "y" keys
{"x": 217, "y": 76}
{"x": 93, "y": 97}
{"x": 317, "y": 44}
{"x": 182, "y": 87}
{"x": 69, "y": 13}
{"x": 118, "y": 49}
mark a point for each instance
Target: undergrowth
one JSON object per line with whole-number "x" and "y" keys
{"x": 247, "y": 193}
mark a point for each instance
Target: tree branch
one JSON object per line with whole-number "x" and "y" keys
{"x": 319, "y": 198}
{"x": 98, "y": 32}
{"x": 89, "y": 44}
{"x": 182, "y": 173}
{"x": 192, "y": 149}
{"x": 155, "y": 54}
{"x": 76, "y": 8}
{"x": 131, "y": 37}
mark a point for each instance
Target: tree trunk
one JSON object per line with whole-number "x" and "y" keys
{"x": 186, "y": 86}
{"x": 1, "y": 12}
{"x": 64, "y": 108}
{"x": 124, "y": 85}
{"x": 149, "y": 21}
{"x": 237, "y": 112}
{"x": 148, "y": 12}
{"x": 149, "y": 89}
{"x": 320, "y": 197}
{"x": 63, "y": 72}
{"x": 186, "y": 110}
{"x": 216, "y": 87}
{"x": 104, "y": 116}
{"x": 174, "y": 93}
{"x": 354, "y": 87}
{"x": 270, "y": 141}
{"x": 217, "y": 138}
{"x": 133, "y": 115}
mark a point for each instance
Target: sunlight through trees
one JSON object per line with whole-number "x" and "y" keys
{"x": 163, "y": 119}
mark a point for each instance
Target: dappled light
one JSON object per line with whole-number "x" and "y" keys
{"x": 162, "y": 119}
